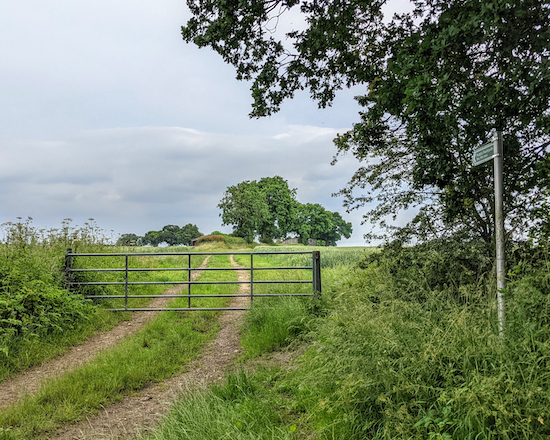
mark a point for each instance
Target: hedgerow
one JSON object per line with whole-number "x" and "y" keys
{"x": 35, "y": 307}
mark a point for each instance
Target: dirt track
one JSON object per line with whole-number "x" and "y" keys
{"x": 139, "y": 413}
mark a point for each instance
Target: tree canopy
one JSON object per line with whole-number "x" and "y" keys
{"x": 268, "y": 208}
{"x": 438, "y": 81}
{"x": 172, "y": 235}
{"x": 314, "y": 221}
{"x": 245, "y": 207}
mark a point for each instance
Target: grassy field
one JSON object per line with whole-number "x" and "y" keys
{"x": 402, "y": 344}
{"x": 398, "y": 348}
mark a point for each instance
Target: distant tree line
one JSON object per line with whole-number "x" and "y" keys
{"x": 172, "y": 235}
{"x": 268, "y": 208}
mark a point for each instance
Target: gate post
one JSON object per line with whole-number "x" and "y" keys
{"x": 316, "y": 257}
{"x": 251, "y": 278}
{"x": 126, "y": 284}
{"x": 68, "y": 267}
{"x": 189, "y": 279}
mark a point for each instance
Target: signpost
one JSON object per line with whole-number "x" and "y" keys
{"x": 484, "y": 153}
{"x": 494, "y": 150}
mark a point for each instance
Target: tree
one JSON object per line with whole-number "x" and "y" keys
{"x": 438, "y": 81}
{"x": 152, "y": 238}
{"x": 269, "y": 209}
{"x": 281, "y": 206}
{"x": 244, "y": 206}
{"x": 340, "y": 228}
{"x": 129, "y": 240}
{"x": 187, "y": 233}
{"x": 172, "y": 235}
{"x": 265, "y": 208}
{"x": 314, "y": 221}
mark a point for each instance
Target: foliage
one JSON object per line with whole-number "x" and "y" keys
{"x": 264, "y": 208}
{"x": 273, "y": 323}
{"x": 172, "y": 235}
{"x": 268, "y": 208}
{"x": 129, "y": 240}
{"x": 211, "y": 238}
{"x": 423, "y": 358}
{"x": 314, "y": 221}
{"x": 428, "y": 366}
{"x": 36, "y": 311}
{"x": 281, "y": 206}
{"x": 245, "y": 207}
{"x": 453, "y": 267}
{"x": 438, "y": 81}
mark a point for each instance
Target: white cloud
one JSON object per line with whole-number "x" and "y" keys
{"x": 137, "y": 179}
{"x": 94, "y": 98}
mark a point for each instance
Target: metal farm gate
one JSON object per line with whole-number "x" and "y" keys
{"x": 73, "y": 283}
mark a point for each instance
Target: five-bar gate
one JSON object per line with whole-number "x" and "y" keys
{"x": 71, "y": 275}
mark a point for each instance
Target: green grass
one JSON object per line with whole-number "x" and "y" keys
{"x": 273, "y": 323}
{"x": 156, "y": 352}
{"x": 331, "y": 256}
{"x": 240, "y": 409}
{"x": 384, "y": 363}
{"x": 30, "y": 351}
{"x": 152, "y": 354}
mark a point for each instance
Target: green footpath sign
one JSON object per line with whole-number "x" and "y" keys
{"x": 484, "y": 153}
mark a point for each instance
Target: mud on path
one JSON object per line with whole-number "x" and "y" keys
{"x": 28, "y": 382}
{"x": 142, "y": 411}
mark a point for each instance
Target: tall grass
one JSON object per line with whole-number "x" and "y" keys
{"x": 236, "y": 410}
{"x": 395, "y": 355}
{"x": 385, "y": 365}
{"x": 273, "y": 323}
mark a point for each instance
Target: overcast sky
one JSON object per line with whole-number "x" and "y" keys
{"x": 106, "y": 113}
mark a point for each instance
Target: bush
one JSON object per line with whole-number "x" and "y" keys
{"x": 455, "y": 268}
{"x": 211, "y": 238}
{"x": 36, "y": 311}
{"x": 34, "y": 306}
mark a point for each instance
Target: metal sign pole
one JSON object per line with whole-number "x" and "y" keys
{"x": 499, "y": 228}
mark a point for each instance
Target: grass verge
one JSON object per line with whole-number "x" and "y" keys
{"x": 243, "y": 408}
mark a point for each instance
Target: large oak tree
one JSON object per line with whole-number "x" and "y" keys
{"x": 437, "y": 81}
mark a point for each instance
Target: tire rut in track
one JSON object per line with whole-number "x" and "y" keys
{"x": 28, "y": 382}
{"x": 142, "y": 411}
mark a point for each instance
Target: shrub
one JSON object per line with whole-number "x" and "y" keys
{"x": 34, "y": 306}
{"x": 211, "y": 238}
{"x": 455, "y": 268}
